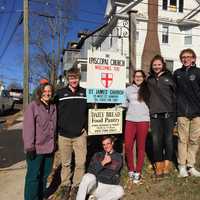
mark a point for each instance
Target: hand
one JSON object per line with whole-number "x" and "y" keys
{"x": 107, "y": 159}
{"x": 31, "y": 155}
{"x": 83, "y": 131}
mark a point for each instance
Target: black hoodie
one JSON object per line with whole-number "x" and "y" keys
{"x": 188, "y": 91}
{"x": 162, "y": 93}
{"x": 72, "y": 111}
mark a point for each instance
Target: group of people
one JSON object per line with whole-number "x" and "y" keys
{"x": 156, "y": 102}
{"x": 161, "y": 101}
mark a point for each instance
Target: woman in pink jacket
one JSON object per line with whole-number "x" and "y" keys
{"x": 39, "y": 130}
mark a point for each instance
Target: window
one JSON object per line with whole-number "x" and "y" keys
{"x": 165, "y": 34}
{"x": 181, "y": 5}
{"x": 172, "y": 2}
{"x": 188, "y": 37}
{"x": 172, "y": 5}
{"x": 165, "y": 2}
{"x": 170, "y": 65}
{"x": 137, "y": 35}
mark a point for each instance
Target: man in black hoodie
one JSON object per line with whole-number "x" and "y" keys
{"x": 187, "y": 80}
{"x": 72, "y": 122}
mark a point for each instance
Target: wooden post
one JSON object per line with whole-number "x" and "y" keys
{"x": 26, "y": 54}
{"x": 132, "y": 44}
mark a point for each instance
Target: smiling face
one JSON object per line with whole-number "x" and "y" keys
{"x": 187, "y": 59}
{"x": 73, "y": 81}
{"x": 157, "y": 66}
{"x": 138, "y": 78}
{"x": 46, "y": 94}
{"x": 107, "y": 145}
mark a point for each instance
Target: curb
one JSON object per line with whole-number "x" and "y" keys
{"x": 17, "y": 166}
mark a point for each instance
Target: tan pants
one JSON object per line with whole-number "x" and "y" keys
{"x": 188, "y": 143}
{"x": 67, "y": 146}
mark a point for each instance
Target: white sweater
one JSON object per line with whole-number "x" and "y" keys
{"x": 136, "y": 111}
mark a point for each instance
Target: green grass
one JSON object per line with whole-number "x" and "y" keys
{"x": 167, "y": 188}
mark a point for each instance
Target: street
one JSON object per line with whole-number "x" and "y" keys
{"x": 12, "y": 158}
{"x": 11, "y": 147}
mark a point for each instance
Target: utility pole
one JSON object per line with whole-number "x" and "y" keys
{"x": 26, "y": 54}
{"x": 132, "y": 43}
{"x": 151, "y": 45}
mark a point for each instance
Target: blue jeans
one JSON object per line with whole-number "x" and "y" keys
{"x": 37, "y": 173}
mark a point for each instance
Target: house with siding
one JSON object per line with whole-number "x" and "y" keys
{"x": 177, "y": 23}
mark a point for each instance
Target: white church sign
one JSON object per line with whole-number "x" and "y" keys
{"x": 106, "y": 77}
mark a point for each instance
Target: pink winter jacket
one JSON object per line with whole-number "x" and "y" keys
{"x": 39, "y": 128}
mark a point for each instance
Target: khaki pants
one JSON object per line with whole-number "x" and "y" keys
{"x": 67, "y": 146}
{"x": 188, "y": 143}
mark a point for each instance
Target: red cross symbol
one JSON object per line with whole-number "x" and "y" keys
{"x": 106, "y": 79}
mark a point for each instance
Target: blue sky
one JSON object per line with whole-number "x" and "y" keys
{"x": 90, "y": 15}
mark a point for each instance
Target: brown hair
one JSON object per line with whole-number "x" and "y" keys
{"x": 188, "y": 50}
{"x": 111, "y": 137}
{"x": 157, "y": 57}
{"x": 143, "y": 92}
{"x": 40, "y": 91}
{"x": 74, "y": 71}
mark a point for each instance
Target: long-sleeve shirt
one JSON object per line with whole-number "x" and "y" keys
{"x": 136, "y": 111}
{"x": 188, "y": 91}
{"x": 109, "y": 173}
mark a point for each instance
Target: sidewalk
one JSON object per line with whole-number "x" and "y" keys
{"x": 12, "y": 184}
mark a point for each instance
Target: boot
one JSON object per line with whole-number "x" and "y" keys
{"x": 159, "y": 169}
{"x": 167, "y": 167}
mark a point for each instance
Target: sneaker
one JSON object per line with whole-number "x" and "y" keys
{"x": 130, "y": 174}
{"x": 183, "y": 171}
{"x": 193, "y": 172}
{"x": 74, "y": 191}
{"x": 92, "y": 197}
{"x": 136, "y": 178}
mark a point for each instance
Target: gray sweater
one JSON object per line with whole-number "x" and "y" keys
{"x": 136, "y": 111}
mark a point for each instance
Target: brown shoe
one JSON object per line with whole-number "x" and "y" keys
{"x": 65, "y": 192}
{"x": 159, "y": 166}
{"x": 73, "y": 194}
{"x": 167, "y": 167}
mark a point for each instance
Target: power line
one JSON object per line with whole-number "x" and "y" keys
{"x": 10, "y": 11}
{"x": 67, "y": 17}
{"x": 19, "y": 22}
{"x": 8, "y": 22}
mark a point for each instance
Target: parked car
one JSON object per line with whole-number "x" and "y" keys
{"x": 16, "y": 94}
{"x": 6, "y": 102}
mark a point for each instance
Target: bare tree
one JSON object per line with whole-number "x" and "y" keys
{"x": 49, "y": 24}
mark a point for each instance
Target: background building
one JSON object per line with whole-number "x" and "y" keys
{"x": 178, "y": 28}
